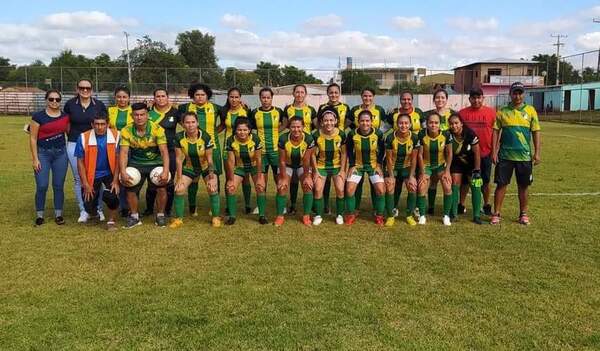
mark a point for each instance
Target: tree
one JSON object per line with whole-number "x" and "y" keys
{"x": 547, "y": 63}
{"x": 354, "y": 81}
{"x": 244, "y": 80}
{"x": 269, "y": 74}
{"x": 5, "y": 68}
{"x": 413, "y": 87}
{"x": 294, "y": 75}
{"x": 33, "y": 75}
{"x": 197, "y": 49}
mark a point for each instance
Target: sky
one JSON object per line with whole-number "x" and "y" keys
{"x": 310, "y": 34}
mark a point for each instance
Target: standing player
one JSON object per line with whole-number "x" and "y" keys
{"x": 295, "y": 154}
{"x": 435, "y": 158}
{"x": 244, "y": 158}
{"x": 401, "y": 155}
{"x": 119, "y": 116}
{"x": 365, "y": 147}
{"x": 331, "y": 161}
{"x": 194, "y": 160}
{"x": 407, "y": 108}
{"x": 480, "y": 119}
{"x": 516, "y": 124}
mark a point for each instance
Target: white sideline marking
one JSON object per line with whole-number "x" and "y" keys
{"x": 572, "y": 136}
{"x": 560, "y": 194}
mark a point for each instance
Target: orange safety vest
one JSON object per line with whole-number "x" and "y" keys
{"x": 90, "y": 155}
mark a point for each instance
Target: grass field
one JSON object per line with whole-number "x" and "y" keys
{"x": 255, "y": 287}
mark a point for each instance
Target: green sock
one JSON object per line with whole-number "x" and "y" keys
{"x": 379, "y": 204}
{"x": 247, "y": 190}
{"x": 373, "y": 196}
{"x": 319, "y": 207}
{"x": 358, "y": 194}
{"x": 411, "y": 203}
{"x": 455, "y": 198}
{"x": 422, "y": 205}
{"x": 307, "y": 200}
{"x": 179, "y": 202}
{"x": 476, "y": 198}
{"x": 215, "y": 205}
{"x": 389, "y": 204}
{"x": 232, "y": 205}
{"x": 350, "y": 204}
{"x": 280, "y": 201}
{"x": 397, "y": 192}
{"x": 447, "y": 204}
{"x": 339, "y": 206}
{"x": 431, "y": 194}
{"x": 293, "y": 193}
{"x": 326, "y": 191}
{"x": 192, "y": 193}
{"x": 261, "y": 201}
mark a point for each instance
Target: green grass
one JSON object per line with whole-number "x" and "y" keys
{"x": 255, "y": 287}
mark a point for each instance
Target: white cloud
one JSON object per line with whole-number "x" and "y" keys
{"x": 546, "y": 28}
{"x": 234, "y": 21}
{"x": 81, "y": 20}
{"x": 468, "y": 24}
{"x": 407, "y": 22}
{"x": 589, "y": 41}
{"x": 328, "y": 22}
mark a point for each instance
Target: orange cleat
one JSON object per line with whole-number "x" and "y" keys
{"x": 279, "y": 220}
{"x": 306, "y": 220}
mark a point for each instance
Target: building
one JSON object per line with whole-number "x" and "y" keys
{"x": 568, "y": 97}
{"x": 495, "y": 76}
{"x": 386, "y": 77}
{"x": 445, "y": 80}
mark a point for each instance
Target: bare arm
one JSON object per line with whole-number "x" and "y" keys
{"x": 164, "y": 153}
{"x": 34, "y": 128}
{"x": 495, "y": 144}
{"x": 123, "y": 159}
{"x": 537, "y": 142}
{"x": 477, "y": 154}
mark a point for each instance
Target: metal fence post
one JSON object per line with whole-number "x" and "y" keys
{"x": 62, "y": 88}
{"x": 96, "y": 72}
{"x": 26, "y": 79}
{"x": 167, "y": 79}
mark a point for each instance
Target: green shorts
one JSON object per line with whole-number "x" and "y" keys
{"x": 358, "y": 174}
{"x": 270, "y": 159}
{"x": 428, "y": 170}
{"x": 328, "y": 171}
{"x": 244, "y": 171}
{"x": 194, "y": 173}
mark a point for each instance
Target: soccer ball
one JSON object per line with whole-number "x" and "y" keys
{"x": 134, "y": 174}
{"x": 155, "y": 175}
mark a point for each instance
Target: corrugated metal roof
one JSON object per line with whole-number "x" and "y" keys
{"x": 499, "y": 61}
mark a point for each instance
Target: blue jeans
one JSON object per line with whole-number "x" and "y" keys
{"x": 52, "y": 160}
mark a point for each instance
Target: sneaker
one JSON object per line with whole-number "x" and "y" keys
{"x": 390, "y": 221}
{"x": 306, "y": 220}
{"x": 317, "y": 220}
{"x": 263, "y": 220}
{"x": 59, "y": 220}
{"x": 279, "y": 220}
{"x": 255, "y": 211}
{"x": 83, "y": 217}
{"x": 379, "y": 220}
{"x": 230, "y": 221}
{"x": 395, "y": 212}
{"x": 446, "y": 220}
{"x": 292, "y": 210}
{"x": 461, "y": 209}
{"x": 39, "y": 221}
{"x": 350, "y": 219}
{"x": 194, "y": 214}
{"x": 161, "y": 221}
{"x": 524, "y": 219}
{"x": 248, "y": 210}
{"x": 416, "y": 213}
{"x": 430, "y": 211}
{"x": 111, "y": 226}
{"x": 176, "y": 223}
{"x": 495, "y": 219}
{"x": 487, "y": 210}
{"x": 477, "y": 220}
{"x": 285, "y": 211}
{"x": 216, "y": 222}
{"x": 101, "y": 216}
{"x": 132, "y": 222}
{"x": 411, "y": 220}
{"x": 422, "y": 220}
{"x": 339, "y": 219}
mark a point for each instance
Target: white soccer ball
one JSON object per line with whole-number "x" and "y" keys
{"x": 135, "y": 176}
{"x": 155, "y": 175}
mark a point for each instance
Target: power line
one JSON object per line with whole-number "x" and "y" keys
{"x": 558, "y": 45}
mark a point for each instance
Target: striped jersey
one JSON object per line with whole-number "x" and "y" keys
{"x": 208, "y": 117}
{"x": 118, "y": 118}
{"x": 295, "y": 153}
{"x": 266, "y": 124}
{"x": 342, "y": 109}
{"x": 443, "y": 119}
{"x": 194, "y": 151}
{"x": 143, "y": 150}
{"x": 434, "y": 148}
{"x": 244, "y": 151}
{"x": 228, "y": 118}
{"x": 416, "y": 116}
{"x": 365, "y": 151}
{"x": 402, "y": 148}
{"x": 377, "y": 111}
{"x": 307, "y": 113}
{"x": 329, "y": 149}
{"x": 516, "y": 126}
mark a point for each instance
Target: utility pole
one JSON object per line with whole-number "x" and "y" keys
{"x": 597, "y": 20}
{"x": 128, "y": 60}
{"x": 558, "y": 45}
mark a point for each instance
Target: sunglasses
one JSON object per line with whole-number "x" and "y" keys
{"x": 85, "y": 88}
{"x": 54, "y": 99}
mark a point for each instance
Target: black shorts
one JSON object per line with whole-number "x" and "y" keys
{"x": 145, "y": 173}
{"x": 462, "y": 168}
{"x": 486, "y": 171}
{"x": 523, "y": 171}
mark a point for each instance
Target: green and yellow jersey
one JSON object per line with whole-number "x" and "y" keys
{"x": 208, "y": 118}
{"x": 329, "y": 149}
{"x": 416, "y": 117}
{"x": 365, "y": 152}
{"x": 119, "y": 118}
{"x": 294, "y": 154}
{"x": 194, "y": 151}
{"x": 434, "y": 154}
{"x": 377, "y": 111}
{"x": 168, "y": 120}
{"x": 516, "y": 126}
{"x": 143, "y": 150}
{"x": 244, "y": 151}
{"x": 443, "y": 120}
{"x": 267, "y": 123}
{"x": 342, "y": 109}
{"x": 402, "y": 149}
{"x": 228, "y": 119}
{"x": 307, "y": 113}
